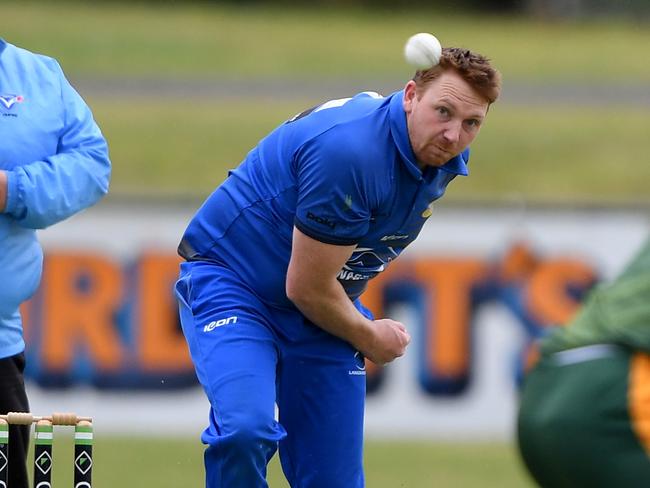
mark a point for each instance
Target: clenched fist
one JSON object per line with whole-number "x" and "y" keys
{"x": 387, "y": 341}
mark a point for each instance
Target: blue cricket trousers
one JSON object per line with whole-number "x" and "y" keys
{"x": 248, "y": 357}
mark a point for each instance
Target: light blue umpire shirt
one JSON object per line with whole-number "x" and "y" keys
{"x": 56, "y": 161}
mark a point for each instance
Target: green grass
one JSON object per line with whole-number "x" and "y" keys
{"x": 181, "y": 40}
{"x": 184, "y": 146}
{"x": 560, "y": 154}
{"x": 172, "y": 463}
{"x": 546, "y": 154}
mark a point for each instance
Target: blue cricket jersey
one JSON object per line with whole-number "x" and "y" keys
{"x": 56, "y": 161}
{"x": 343, "y": 173}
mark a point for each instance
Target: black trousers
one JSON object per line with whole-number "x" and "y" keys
{"x": 13, "y": 398}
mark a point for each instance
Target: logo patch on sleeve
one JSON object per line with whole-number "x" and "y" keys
{"x": 8, "y": 101}
{"x": 321, "y": 220}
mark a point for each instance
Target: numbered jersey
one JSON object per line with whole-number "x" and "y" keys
{"x": 343, "y": 173}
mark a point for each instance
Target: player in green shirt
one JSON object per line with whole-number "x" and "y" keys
{"x": 584, "y": 418}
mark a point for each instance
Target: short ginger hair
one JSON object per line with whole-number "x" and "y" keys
{"x": 474, "y": 68}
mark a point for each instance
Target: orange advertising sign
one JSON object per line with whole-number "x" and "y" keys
{"x": 111, "y": 324}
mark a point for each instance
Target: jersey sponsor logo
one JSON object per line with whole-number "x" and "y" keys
{"x": 394, "y": 237}
{"x": 350, "y": 276}
{"x": 360, "y": 365}
{"x": 364, "y": 263}
{"x": 369, "y": 260}
{"x": 321, "y": 220}
{"x": 218, "y": 323}
{"x": 8, "y": 101}
{"x": 360, "y": 360}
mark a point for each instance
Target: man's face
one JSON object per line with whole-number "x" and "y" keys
{"x": 444, "y": 120}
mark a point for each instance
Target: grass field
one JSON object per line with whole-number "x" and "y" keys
{"x": 181, "y": 40}
{"x": 174, "y": 463}
{"x": 184, "y": 145}
{"x": 550, "y": 153}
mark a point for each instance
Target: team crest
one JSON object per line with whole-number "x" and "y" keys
{"x": 9, "y": 101}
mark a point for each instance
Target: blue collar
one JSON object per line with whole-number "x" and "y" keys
{"x": 456, "y": 165}
{"x": 3, "y": 44}
{"x": 400, "y": 134}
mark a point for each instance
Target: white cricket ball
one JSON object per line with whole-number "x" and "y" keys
{"x": 422, "y": 51}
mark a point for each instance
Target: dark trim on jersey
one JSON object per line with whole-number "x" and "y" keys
{"x": 187, "y": 252}
{"x": 3, "y": 45}
{"x": 302, "y": 114}
{"x": 325, "y": 239}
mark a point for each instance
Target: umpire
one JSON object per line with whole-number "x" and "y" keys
{"x": 53, "y": 163}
